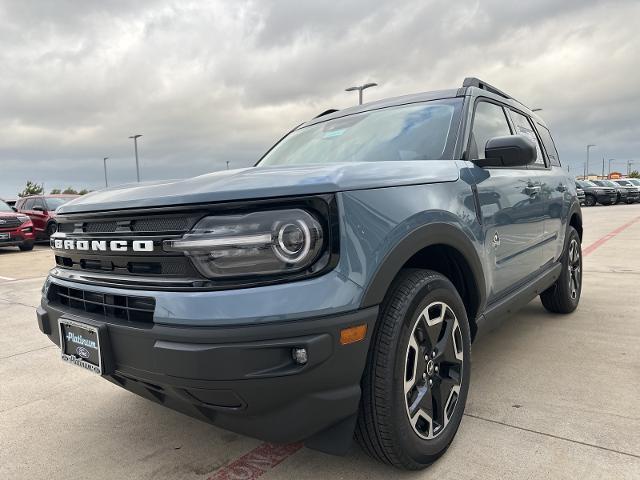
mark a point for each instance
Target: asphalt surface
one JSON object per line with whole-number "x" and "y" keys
{"x": 551, "y": 396}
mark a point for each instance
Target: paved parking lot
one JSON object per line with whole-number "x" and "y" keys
{"x": 551, "y": 396}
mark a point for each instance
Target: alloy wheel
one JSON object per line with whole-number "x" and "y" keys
{"x": 574, "y": 265}
{"x": 433, "y": 370}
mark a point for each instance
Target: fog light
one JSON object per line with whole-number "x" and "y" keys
{"x": 300, "y": 356}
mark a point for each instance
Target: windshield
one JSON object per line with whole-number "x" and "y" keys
{"x": 606, "y": 183}
{"x": 55, "y": 202}
{"x": 587, "y": 183}
{"x": 4, "y": 207}
{"x": 419, "y": 131}
{"x": 634, "y": 181}
{"x": 623, "y": 182}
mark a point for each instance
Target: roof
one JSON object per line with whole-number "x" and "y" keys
{"x": 471, "y": 86}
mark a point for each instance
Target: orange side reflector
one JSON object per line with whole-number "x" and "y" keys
{"x": 353, "y": 334}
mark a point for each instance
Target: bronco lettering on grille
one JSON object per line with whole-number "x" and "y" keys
{"x": 103, "y": 245}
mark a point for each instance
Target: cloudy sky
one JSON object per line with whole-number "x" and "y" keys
{"x": 215, "y": 81}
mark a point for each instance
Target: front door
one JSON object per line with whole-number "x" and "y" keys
{"x": 510, "y": 210}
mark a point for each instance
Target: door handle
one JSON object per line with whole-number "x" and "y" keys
{"x": 532, "y": 190}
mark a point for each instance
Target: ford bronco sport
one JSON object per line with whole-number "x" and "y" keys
{"x": 334, "y": 289}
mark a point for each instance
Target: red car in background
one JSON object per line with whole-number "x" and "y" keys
{"x": 41, "y": 209}
{"x": 16, "y": 230}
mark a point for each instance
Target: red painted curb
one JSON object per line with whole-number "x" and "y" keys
{"x": 257, "y": 462}
{"x": 607, "y": 237}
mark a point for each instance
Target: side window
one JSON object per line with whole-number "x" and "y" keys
{"x": 38, "y": 202}
{"x": 524, "y": 127}
{"x": 489, "y": 121}
{"x": 549, "y": 145}
{"x": 28, "y": 204}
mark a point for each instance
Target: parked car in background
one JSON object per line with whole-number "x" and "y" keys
{"x": 623, "y": 193}
{"x": 596, "y": 194}
{"x": 633, "y": 181}
{"x": 16, "y": 230}
{"x": 580, "y": 193}
{"x": 41, "y": 209}
{"x": 632, "y": 189}
{"x": 9, "y": 201}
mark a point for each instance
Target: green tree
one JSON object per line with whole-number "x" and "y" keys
{"x": 84, "y": 191}
{"x": 55, "y": 191}
{"x": 31, "y": 188}
{"x": 70, "y": 191}
{"x": 634, "y": 174}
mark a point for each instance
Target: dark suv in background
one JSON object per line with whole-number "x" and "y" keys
{"x": 41, "y": 209}
{"x": 631, "y": 186}
{"x": 334, "y": 289}
{"x": 597, "y": 194}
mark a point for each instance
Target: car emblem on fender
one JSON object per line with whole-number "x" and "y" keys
{"x": 2, "y": 222}
{"x": 83, "y": 352}
{"x": 496, "y": 240}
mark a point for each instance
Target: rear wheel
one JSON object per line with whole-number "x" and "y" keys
{"x": 589, "y": 200}
{"x": 564, "y": 295}
{"x": 417, "y": 376}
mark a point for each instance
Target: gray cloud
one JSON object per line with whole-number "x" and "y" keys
{"x": 210, "y": 82}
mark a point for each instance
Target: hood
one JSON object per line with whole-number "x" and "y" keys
{"x": 265, "y": 182}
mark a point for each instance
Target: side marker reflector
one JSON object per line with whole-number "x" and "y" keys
{"x": 353, "y": 334}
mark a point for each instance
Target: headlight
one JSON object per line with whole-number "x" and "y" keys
{"x": 598, "y": 192}
{"x": 23, "y": 218}
{"x": 272, "y": 242}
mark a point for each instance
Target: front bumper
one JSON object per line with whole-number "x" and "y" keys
{"x": 17, "y": 236}
{"x": 607, "y": 199}
{"x": 242, "y": 378}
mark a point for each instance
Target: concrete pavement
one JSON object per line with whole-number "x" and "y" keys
{"x": 551, "y": 396}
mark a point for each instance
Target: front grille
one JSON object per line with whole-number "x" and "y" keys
{"x": 9, "y": 223}
{"x": 151, "y": 224}
{"x": 123, "y": 307}
{"x": 151, "y": 264}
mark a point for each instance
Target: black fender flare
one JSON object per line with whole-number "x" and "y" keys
{"x": 574, "y": 209}
{"x": 416, "y": 240}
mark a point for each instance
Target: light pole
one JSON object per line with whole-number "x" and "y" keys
{"x": 135, "y": 146}
{"x": 227, "y": 164}
{"x": 591, "y": 145}
{"x": 610, "y": 160}
{"x": 106, "y": 184}
{"x": 360, "y": 88}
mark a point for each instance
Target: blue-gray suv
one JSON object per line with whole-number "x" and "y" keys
{"x": 333, "y": 290}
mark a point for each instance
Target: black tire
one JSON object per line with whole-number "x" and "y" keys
{"x": 589, "y": 200}
{"x": 52, "y": 228}
{"x": 384, "y": 429}
{"x": 564, "y": 295}
{"x": 26, "y": 246}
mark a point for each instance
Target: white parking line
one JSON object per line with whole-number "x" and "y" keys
{"x": 6, "y": 278}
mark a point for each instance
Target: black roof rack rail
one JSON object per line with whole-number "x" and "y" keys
{"x": 476, "y": 82}
{"x": 327, "y": 112}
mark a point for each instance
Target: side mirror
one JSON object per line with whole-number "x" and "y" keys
{"x": 508, "y": 151}
{"x": 14, "y": 209}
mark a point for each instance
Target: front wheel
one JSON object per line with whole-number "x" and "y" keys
{"x": 564, "y": 295}
{"x": 26, "y": 246}
{"x": 52, "y": 228}
{"x": 415, "y": 385}
{"x": 589, "y": 201}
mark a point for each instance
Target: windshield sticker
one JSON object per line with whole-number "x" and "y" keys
{"x": 334, "y": 133}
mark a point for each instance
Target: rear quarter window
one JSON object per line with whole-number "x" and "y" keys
{"x": 549, "y": 145}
